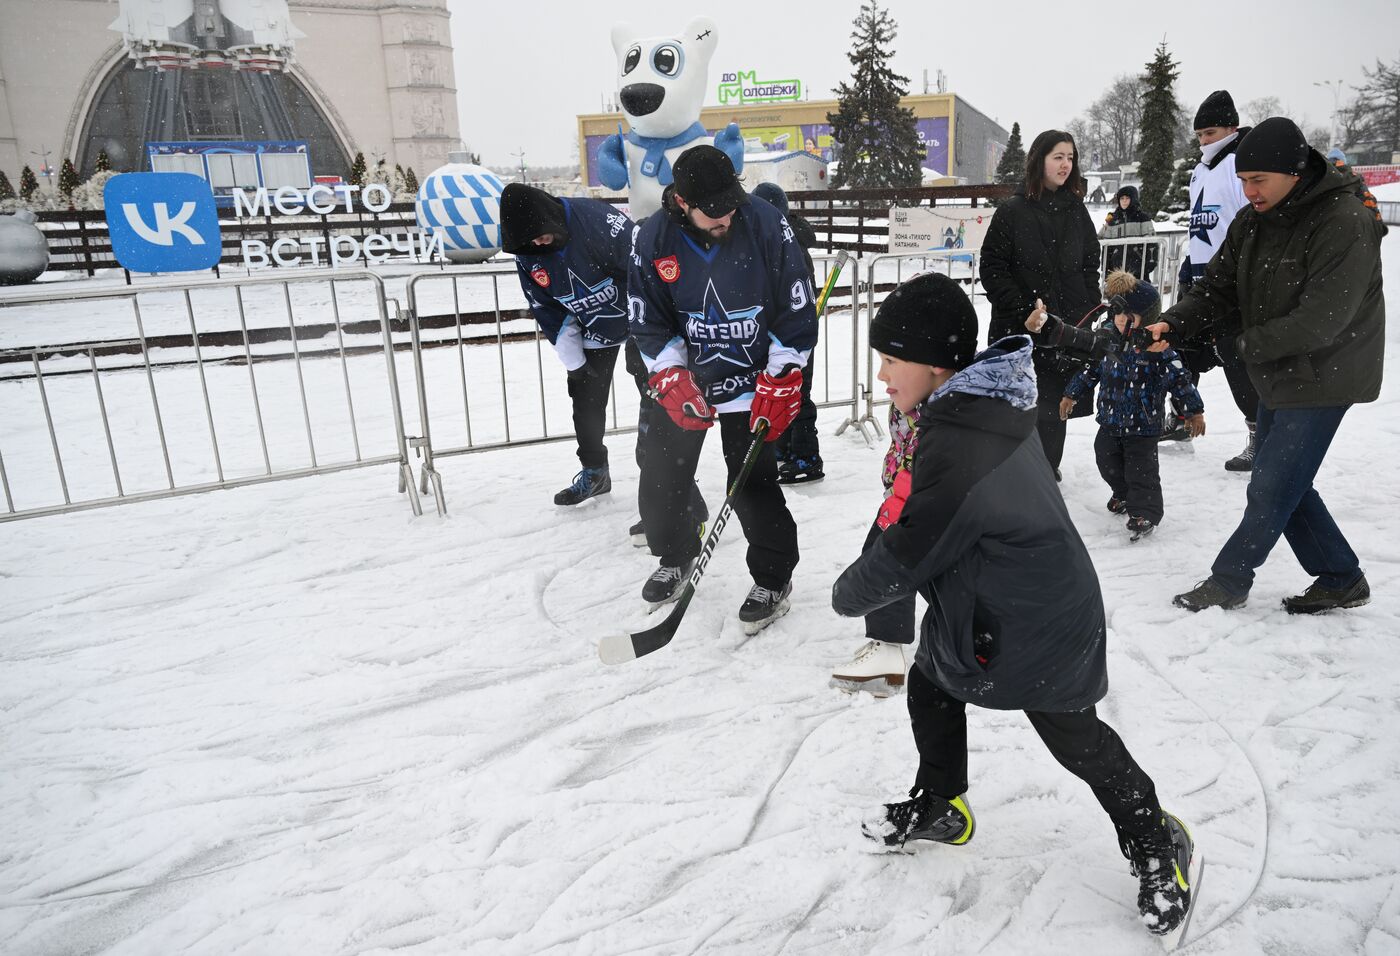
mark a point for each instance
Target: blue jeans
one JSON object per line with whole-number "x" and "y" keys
{"x": 1290, "y": 446}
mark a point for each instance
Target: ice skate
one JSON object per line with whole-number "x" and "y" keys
{"x": 1139, "y": 528}
{"x": 796, "y": 471}
{"x": 1116, "y": 505}
{"x": 1168, "y": 869}
{"x": 664, "y": 585}
{"x": 763, "y": 606}
{"x": 588, "y": 483}
{"x": 1244, "y": 461}
{"x": 924, "y": 817}
{"x": 878, "y": 669}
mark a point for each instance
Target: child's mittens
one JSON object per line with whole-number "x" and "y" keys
{"x": 894, "y": 504}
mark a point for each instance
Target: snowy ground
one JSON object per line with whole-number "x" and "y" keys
{"x": 294, "y": 718}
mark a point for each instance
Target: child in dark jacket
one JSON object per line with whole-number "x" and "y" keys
{"x": 1015, "y": 616}
{"x": 1132, "y": 384}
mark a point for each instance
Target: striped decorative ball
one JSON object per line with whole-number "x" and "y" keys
{"x": 461, "y": 202}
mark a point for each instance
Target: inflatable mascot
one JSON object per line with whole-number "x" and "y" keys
{"x": 663, "y": 82}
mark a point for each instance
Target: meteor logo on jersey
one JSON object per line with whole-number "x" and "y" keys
{"x": 591, "y": 302}
{"x": 1203, "y": 220}
{"x": 540, "y": 276}
{"x": 717, "y": 333}
{"x": 668, "y": 268}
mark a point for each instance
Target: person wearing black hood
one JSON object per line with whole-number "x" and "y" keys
{"x": 571, "y": 259}
{"x": 1128, "y": 220}
{"x": 1296, "y": 284}
{"x": 1041, "y": 253}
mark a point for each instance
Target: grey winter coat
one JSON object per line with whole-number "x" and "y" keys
{"x": 986, "y": 539}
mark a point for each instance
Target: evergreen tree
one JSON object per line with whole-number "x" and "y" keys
{"x": 103, "y": 164}
{"x": 410, "y": 179}
{"x": 1179, "y": 194}
{"x": 6, "y": 190}
{"x": 357, "y": 170}
{"x": 1157, "y": 132}
{"x": 28, "y": 183}
{"x": 67, "y": 179}
{"x": 1012, "y": 166}
{"x": 879, "y": 141}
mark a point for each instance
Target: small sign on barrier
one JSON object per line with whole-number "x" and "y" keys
{"x": 942, "y": 228}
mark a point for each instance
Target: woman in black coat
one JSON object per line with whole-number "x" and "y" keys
{"x": 1128, "y": 220}
{"x": 1041, "y": 245}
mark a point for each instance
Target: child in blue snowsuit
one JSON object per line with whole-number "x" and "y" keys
{"x": 1133, "y": 384}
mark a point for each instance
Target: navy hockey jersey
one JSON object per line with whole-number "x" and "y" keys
{"x": 725, "y": 310}
{"x": 578, "y": 294}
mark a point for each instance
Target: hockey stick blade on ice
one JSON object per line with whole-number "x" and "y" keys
{"x": 621, "y": 648}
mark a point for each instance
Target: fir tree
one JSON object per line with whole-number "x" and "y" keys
{"x": 67, "y": 179}
{"x": 1011, "y": 168}
{"x": 103, "y": 164}
{"x": 410, "y": 179}
{"x": 1179, "y": 195}
{"x": 1157, "y": 132}
{"x": 357, "y": 170}
{"x": 6, "y": 190}
{"x": 879, "y": 141}
{"x": 28, "y": 184}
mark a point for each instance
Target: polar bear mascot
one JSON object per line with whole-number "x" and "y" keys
{"x": 663, "y": 82}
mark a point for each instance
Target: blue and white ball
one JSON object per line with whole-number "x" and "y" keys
{"x": 461, "y": 202}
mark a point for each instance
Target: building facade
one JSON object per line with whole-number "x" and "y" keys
{"x": 79, "y": 77}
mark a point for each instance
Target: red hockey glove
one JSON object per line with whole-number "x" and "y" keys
{"x": 675, "y": 390}
{"x": 776, "y": 401}
{"x": 894, "y": 504}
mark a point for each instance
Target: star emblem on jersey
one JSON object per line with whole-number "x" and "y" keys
{"x": 1203, "y": 220}
{"x": 540, "y": 276}
{"x": 668, "y": 268}
{"x": 591, "y": 302}
{"x": 722, "y": 334}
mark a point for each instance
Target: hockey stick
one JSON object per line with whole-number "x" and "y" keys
{"x": 620, "y": 648}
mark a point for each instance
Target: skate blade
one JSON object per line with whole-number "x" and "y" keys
{"x": 879, "y": 687}
{"x": 1173, "y": 939}
{"x": 753, "y": 627}
{"x": 639, "y": 541}
{"x": 653, "y": 608}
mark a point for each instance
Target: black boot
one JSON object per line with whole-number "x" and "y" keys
{"x": 1244, "y": 461}
{"x": 925, "y": 817}
{"x": 1318, "y": 597}
{"x": 1162, "y": 863}
{"x": 1208, "y": 594}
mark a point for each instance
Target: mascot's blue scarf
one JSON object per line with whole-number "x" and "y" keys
{"x": 655, "y": 163}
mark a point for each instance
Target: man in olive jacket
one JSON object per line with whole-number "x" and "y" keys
{"x": 1302, "y": 265}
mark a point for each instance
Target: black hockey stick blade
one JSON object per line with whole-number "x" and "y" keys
{"x": 621, "y": 648}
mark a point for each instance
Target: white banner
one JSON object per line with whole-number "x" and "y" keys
{"x": 942, "y": 228}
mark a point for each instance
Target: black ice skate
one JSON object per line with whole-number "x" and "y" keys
{"x": 664, "y": 585}
{"x": 1168, "y": 869}
{"x": 1244, "y": 461}
{"x": 588, "y": 483}
{"x": 763, "y": 606}
{"x": 796, "y": 471}
{"x": 1116, "y": 506}
{"x": 1140, "y": 528}
{"x": 925, "y": 817}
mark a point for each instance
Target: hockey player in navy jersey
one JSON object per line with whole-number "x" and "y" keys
{"x": 721, "y": 305}
{"x": 571, "y": 257}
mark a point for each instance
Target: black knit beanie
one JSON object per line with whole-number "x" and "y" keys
{"x": 1218, "y": 109}
{"x": 528, "y": 213}
{"x": 929, "y": 320}
{"x": 1276, "y": 145}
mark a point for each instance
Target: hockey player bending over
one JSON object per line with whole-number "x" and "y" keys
{"x": 1015, "y": 618}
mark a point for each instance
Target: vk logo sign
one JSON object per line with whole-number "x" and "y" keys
{"x": 162, "y": 222}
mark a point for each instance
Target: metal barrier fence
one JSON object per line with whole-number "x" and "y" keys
{"x": 123, "y": 414}
{"x": 518, "y": 355}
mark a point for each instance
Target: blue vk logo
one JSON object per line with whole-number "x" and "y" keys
{"x": 162, "y": 222}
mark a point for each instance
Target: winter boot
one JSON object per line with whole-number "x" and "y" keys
{"x": 763, "y": 606}
{"x": 587, "y": 484}
{"x": 925, "y": 817}
{"x": 1163, "y": 864}
{"x": 1209, "y": 594}
{"x": 1244, "y": 461}
{"x": 1318, "y": 597}
{"x": 1116, "y": 505}
{"x": 1140, "y": 528}
{"x": 796, "y": 471}
{"x": 664, "y": 585}
{"x": 877, "y": 669}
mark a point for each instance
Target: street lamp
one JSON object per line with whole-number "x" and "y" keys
{"x": 1336, "y": 87}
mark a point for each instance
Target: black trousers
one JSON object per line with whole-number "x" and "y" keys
{"x": 1129, "y": 464}
{"x": 1050, "y": 382}
{"x": 1241, "y": 388}
{"x": 893, "y": 623}
{"x": 800, "y": 439}
{"x": 589, "y": 396}
{"x": 1084, "y": 745}
{"x": 638, "y": 370}
{"x": 665, "y": 498}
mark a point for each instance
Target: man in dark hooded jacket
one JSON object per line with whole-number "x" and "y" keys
{"x": 1300, "y": 271}
{"x": 1015, "y": 617}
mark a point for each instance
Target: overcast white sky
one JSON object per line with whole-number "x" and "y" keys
{"x": 525, "y": 70}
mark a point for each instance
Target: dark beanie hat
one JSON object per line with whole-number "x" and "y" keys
{"x": 1139, "y": 296}
{"x": 1276, "y": 145}
{"x": 1218, "y": 109}
{"x": 929, "y": 320}
{"x": 528, "y": 213}
{"x": 772, "y": 194}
